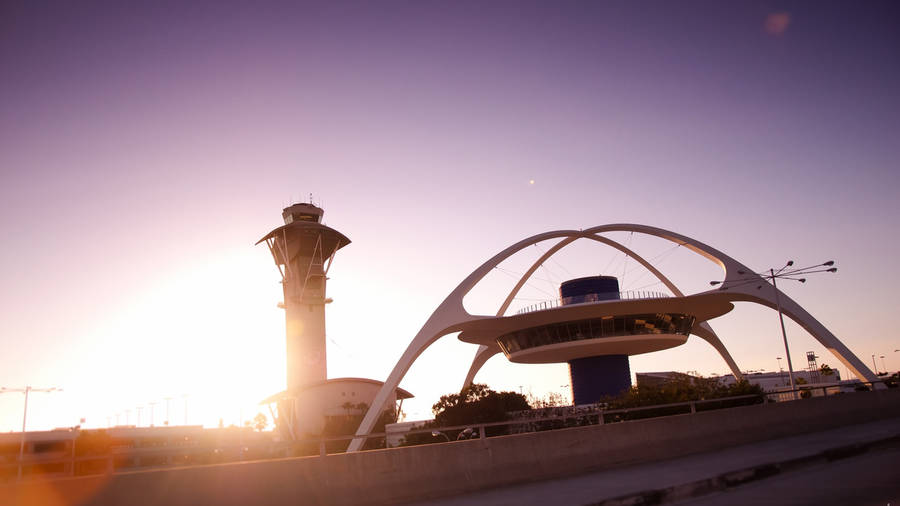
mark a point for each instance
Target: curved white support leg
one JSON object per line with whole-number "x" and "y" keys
{"x": 441, "y": 322}
{"x": 735, "y": 272}
{"x": 481, "y": 357}
{"x": 766, "y": 297}
{"x": 705, "y": 332}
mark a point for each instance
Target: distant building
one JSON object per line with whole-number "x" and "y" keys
{"x": 772, "y": 382}
{"x": 75, "y": 451}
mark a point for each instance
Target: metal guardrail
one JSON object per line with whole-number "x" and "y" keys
{"x": 607, "y": 297}
{"x": 600, "y": 416}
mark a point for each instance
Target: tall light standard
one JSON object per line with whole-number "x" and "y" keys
{"x": 883, "y": 367}
{"x": 167, "y": 411}
{"x": 874, "y": 365}
{"x": 26, "y": 391}
{"x": 783, "y": 273}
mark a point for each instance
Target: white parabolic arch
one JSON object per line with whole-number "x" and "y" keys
{"x": 451, "y": 313}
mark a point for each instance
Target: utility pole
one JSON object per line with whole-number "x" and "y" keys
{"x": 783, "y": 333}
{"x": 26, "y": 391}
{"x": 167, "y": 411}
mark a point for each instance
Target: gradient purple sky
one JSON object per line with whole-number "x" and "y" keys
{"x": 143, "y": 149}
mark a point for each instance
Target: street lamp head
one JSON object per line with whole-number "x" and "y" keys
{"x": 802, "y": 280}
{"x": 829, "y": 263}
{"x": 714, "y": 283}
{"x": 790, "y": 263}
{"x": 833, "y": 269}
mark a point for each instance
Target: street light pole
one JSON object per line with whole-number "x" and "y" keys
{"x": 782, "y": 273}
{"x": 787, "y": 352}
{"x": 22, "y": 441}
{"x": 26, "y": 391}
{"x": 874, "y": 365}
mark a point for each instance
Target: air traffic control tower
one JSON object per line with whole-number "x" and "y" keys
{"x": 303, "y": 250}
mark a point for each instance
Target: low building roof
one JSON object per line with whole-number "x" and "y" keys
{"x": 401, "y": 393}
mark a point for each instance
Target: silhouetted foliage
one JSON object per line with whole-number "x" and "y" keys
{"x": 681, "y": 389}
{"x": 474, "y": 405}
{"x": 260, "y": 421}
{"x": 804, "y": 392}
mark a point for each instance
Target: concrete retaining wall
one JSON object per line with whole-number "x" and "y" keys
{"x": 401, "y": 474}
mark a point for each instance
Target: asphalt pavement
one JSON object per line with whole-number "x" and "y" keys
{"x": 868, "y": 479}
{"x": 717, "y": 476}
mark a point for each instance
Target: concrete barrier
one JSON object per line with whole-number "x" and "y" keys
{"x": 405, "y": 474}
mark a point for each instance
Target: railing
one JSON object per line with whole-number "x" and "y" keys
{"x": 311, "y": 447}
{"x": 600, "y": 297}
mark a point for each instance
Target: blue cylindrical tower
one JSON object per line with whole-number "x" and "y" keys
{"x": 592, "y": 378}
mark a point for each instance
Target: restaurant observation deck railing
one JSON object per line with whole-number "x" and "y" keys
{"x": 594, "y": 298}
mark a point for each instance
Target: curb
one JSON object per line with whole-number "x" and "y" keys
{"x": 740, "y": 477}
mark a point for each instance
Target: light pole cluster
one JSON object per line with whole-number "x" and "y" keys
{"x": 787, "y": 273}
{"x": 152, "y": 405}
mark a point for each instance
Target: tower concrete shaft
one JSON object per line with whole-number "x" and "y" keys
{"x": 303, "y": 250}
